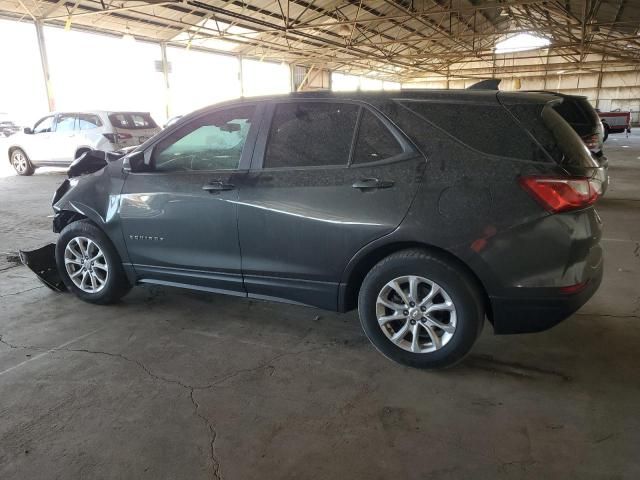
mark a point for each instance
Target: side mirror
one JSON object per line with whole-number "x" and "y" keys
{"x": 28, "y": 131}
{"x": 137, "y": 162}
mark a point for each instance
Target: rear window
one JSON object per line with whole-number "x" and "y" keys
{"x": 487, "y": 128}
{"x": 132, "y": 120}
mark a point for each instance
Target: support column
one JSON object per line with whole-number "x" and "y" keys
{"x": 599, "y": 85}
{"x": 45, "y": 66}
{"x": 241, "y": 76}
{"x": 165, "y": 74}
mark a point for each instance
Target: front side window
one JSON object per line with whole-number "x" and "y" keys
{"x": 311, "y": 134}
{"x": 44, "y": 126}
{"x": 66, "y": 123}
{"x": 375, "y": 141}
{"x": 212, "y": 142}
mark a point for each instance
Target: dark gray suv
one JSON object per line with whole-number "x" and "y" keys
{"x": 426, "y": 210}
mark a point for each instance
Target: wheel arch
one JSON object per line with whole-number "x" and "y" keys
{"x": 15, "y": 147}
{"x": 66, "y": 217}
{"x": 359, "y": 267}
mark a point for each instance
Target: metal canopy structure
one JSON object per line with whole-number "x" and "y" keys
{"x": 393, "y": 40}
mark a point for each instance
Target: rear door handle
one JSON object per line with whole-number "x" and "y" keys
{"x": 367, "y": 183}
{"x": 218, "y": 186}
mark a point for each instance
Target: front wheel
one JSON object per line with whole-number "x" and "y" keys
{"x": 89, "y": 264}
{"x": 420, "y": 310}
{"x": 21, "y": 163}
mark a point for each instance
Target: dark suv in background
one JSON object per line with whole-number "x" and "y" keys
{"x": 584, "y": 119}
{"x": 426, "y": 210}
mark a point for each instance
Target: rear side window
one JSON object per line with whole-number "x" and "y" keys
{"x": 487, "y": 128}
{"x": 311, "y": 134}
{"x": 375, "y": 141}
{"x": 88, "y": 121}
{"x": 132, "y": 121}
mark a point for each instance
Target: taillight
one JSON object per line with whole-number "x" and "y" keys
{"x": 592, "y": 141}
{"x": 117, "y": 137}
{"x": 558, "y": 194}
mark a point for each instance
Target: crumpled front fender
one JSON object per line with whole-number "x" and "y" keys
{"x": 42, "y": 262}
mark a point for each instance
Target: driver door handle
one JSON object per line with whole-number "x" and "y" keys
{"x": 368, "y": 183}
{"x": 218, "y": 186}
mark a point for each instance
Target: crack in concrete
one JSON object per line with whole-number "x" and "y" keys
{"x": 605, "y": 315}
{"x": 213, "y": 435}
{"x": 11, "y": 345}
{"x": 216, "y": 473}
{"x": 21, "y": 291}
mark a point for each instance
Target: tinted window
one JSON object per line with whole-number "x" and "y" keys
{"x": 66, "y": 123}
{"x": 131, "y": 120}
{"x": 375, "y": 141}
{"x": 213, "y": 142}
{"x": 44, "y": 125}
{"x": 486, "y": 128}
{"x": 87, "y": 121}
{"x": 311, "y": 134}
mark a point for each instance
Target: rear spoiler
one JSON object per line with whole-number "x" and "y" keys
{"x": 489, "y": 84}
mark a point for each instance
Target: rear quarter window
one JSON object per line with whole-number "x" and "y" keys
{"x": 554, "y": 133}
{"x": 487, "y": 128}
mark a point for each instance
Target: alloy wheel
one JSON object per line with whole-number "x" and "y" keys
{"x": 86, "y": 264}
{"x": 416, "y": 314}
{"x": 20, "y": 162}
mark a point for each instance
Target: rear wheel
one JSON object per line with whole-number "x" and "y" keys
{"x": 420, "y": 310}
{"x": 606, "y": 133}
{"x": 21, "y": 162}
{"x": 89, "y": 264}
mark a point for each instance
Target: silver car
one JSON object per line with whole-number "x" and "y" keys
{"x": 59, "y": 138}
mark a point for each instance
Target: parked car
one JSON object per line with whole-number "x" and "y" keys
{"x": 59, "y": 138}
{"x": 583, "y": 118}
{"x": 615, "y": 122}
{"x": 7, "y": 126}
{"x": 425, "y": 210}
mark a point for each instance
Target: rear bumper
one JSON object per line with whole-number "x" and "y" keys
{"x": 537, "y": 310}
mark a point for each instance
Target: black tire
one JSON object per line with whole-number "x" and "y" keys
{"x": 21, "y": 163}
{"x": 458, "y": 285}
{"x": 116, "y": 284}
{"x": 606, "y": 133}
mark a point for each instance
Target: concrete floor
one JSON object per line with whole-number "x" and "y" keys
{"x": 171, "y": 384}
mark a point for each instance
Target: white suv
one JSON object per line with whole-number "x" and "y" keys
{"x": 59, "y": 138}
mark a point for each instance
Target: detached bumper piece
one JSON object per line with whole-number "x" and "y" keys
{"x": 42, "y": 262}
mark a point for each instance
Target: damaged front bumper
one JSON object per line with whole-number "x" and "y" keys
{"x": 42, "y": 262}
